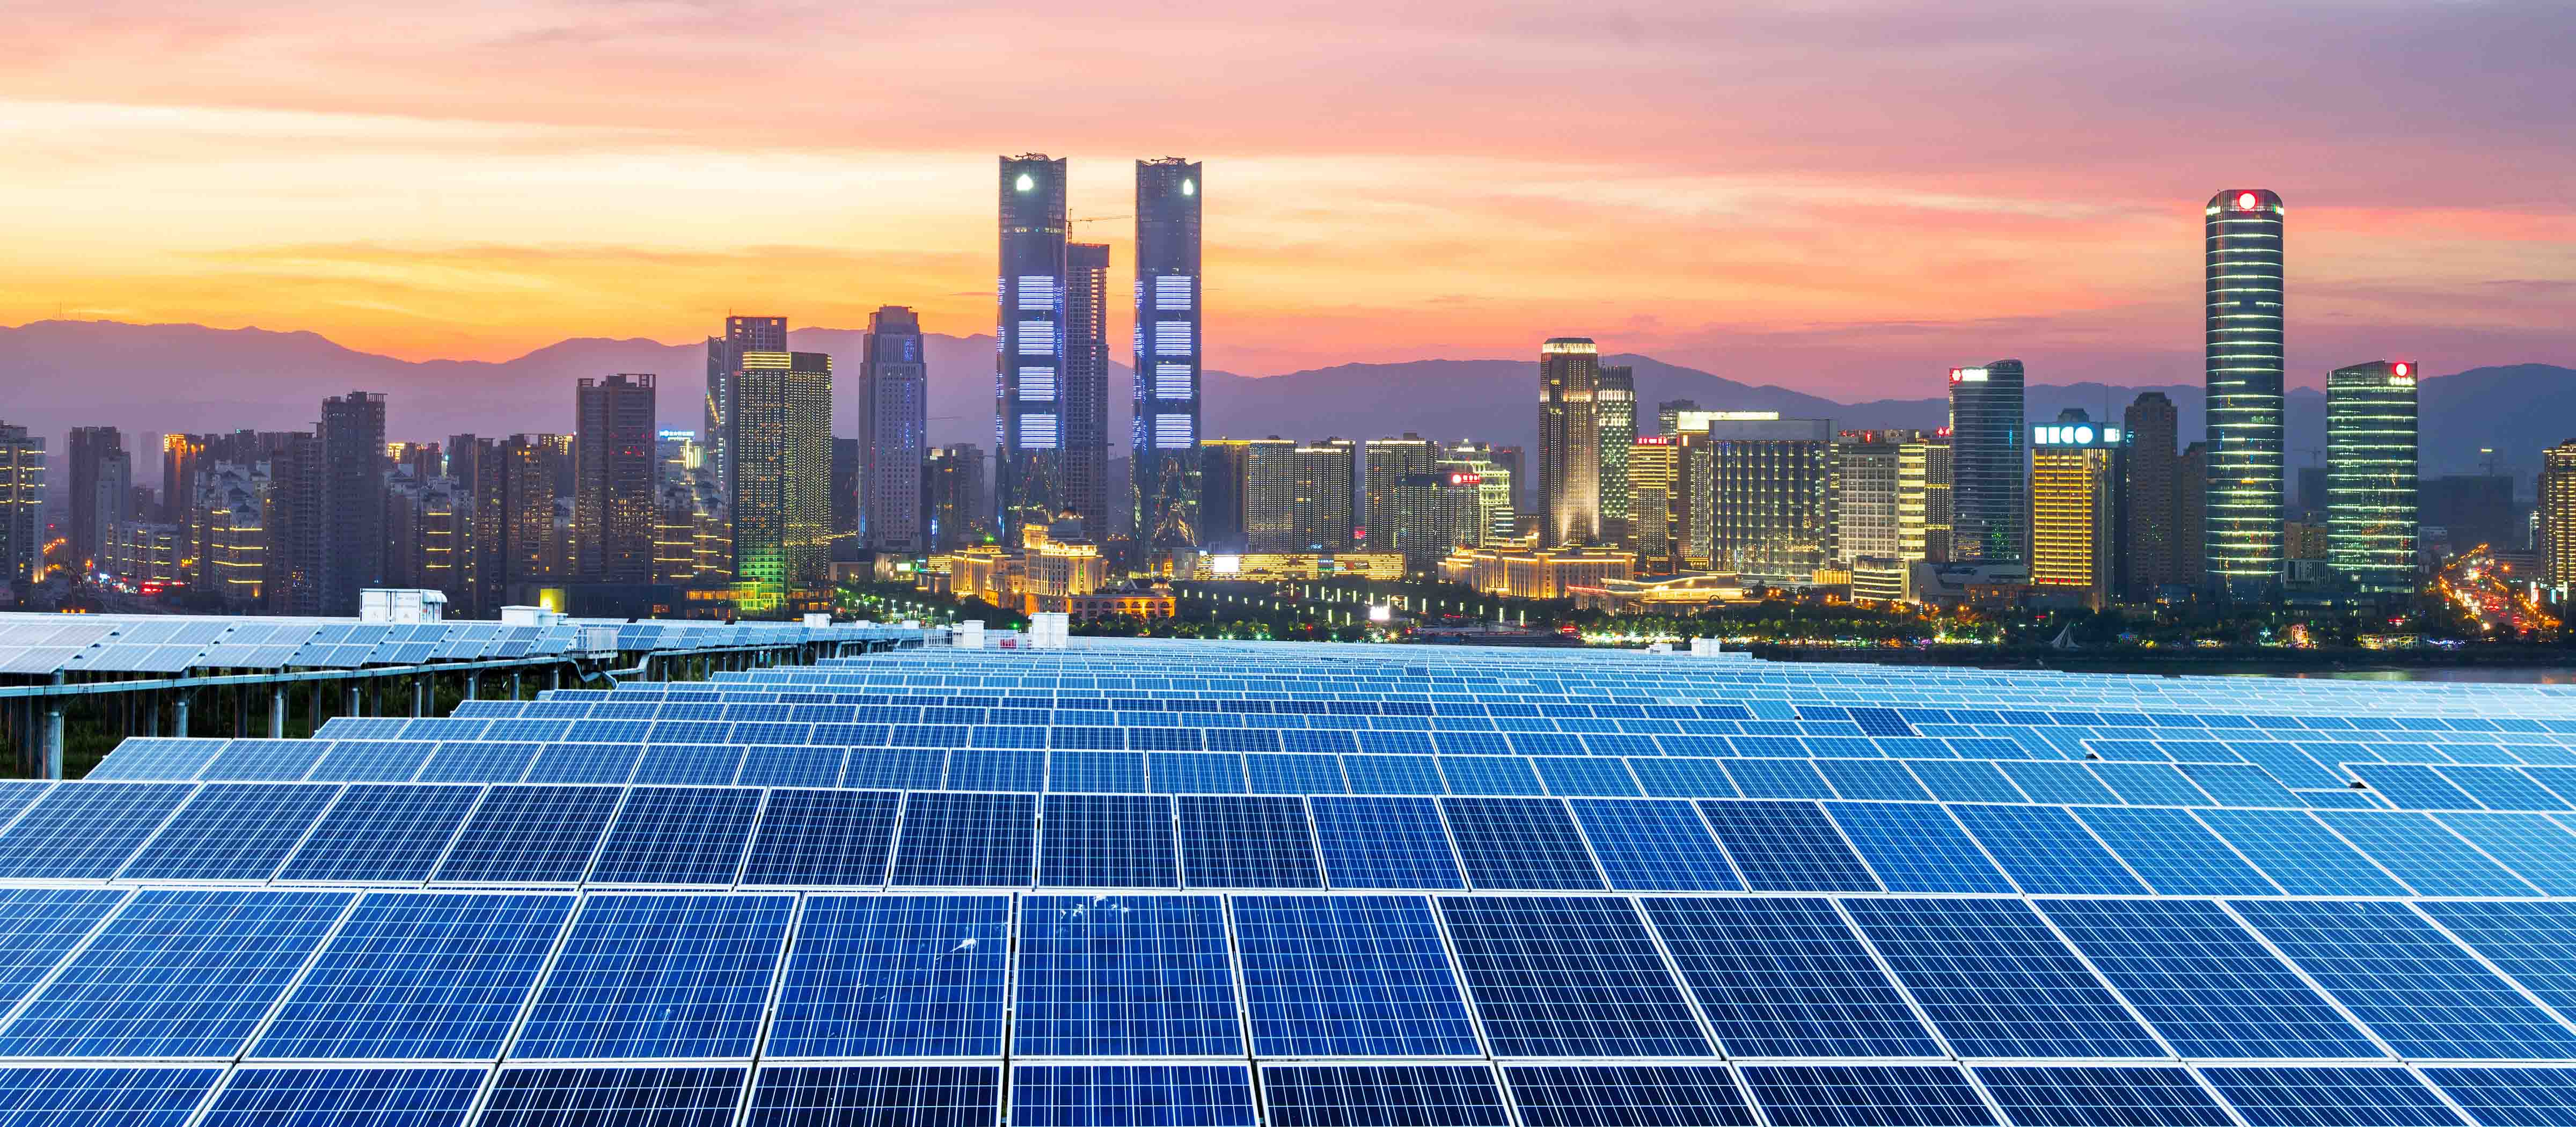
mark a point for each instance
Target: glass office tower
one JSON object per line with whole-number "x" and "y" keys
{"x": 2370, "y": 475}
{"x": 1989, "y": 486}
{"x": 1029, "y": 483}
{"x": 2241, "y": 235}
{"x": 1164, "y": 438}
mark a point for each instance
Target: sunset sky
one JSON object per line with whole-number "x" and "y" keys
{"x": 1843, "y": 196}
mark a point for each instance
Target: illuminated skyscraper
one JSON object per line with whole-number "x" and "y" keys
{"x": 1495, "y": 469}
{"x": 22, "y": 505}
{"x": 1569, "y": 442}
{"x": 1397, "y": 495}
{"x": 1759, "y": 494}
{"x": 1297, "y": 496}
{"x": 2557, "y": 516}
{"x": 1654, "y": 474}
{"x": 2241, "y": 237}
{"x": 952, "y": 496}
{"x": 894, "y": 433}
{"x": 102, "y": 484}
{"x": 1030, "y": 478}
{"x": 2076, "y": 531}
{"x": 1617, "y": 400}
{"x": 1086, "y": 388}
{"x": 780, "y": 496}
{"x": 2370, "y": 475}
{"x": 613, "y": 468}
{"x": 1989, "y": 491}
{"x": 1164, "y": 468}
{"x": 724, "y": 362}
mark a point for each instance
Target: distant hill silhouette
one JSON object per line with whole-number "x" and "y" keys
{"x": 55, "y": 375}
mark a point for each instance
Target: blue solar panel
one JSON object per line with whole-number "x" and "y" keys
{"x": 1778, "y": 778}
{"x": 2533, "y": 942}
{"x": 1577, "y": 775}
{"x": 2059, "y": 781}
{"x": 1107, "y": 841}
{"x": 876, "y": 1096}
{"x": 2205, "y": 983}
{"x": 966, "y": 840}
{"x": 1382, "y": 1095}
{"x": 1872, "y": 778}
{"x": 1856, "y": 1095}
{"x": 1393, "y": 774}
{"x": 530, "y": 835}
{"x": 1996, "y": 982}
{"x": 894, "y": 768}
{"x": 232, "y": 831}
{"x": 1787, "y": 847}
{"x": 1196, "y": 772}
{"x": 2102, "y": 1097}
{"x": 646, "y": 975}
{"x": 1384, "y": 842}
{"x": 678, "y": 835}
{"x": 1122, "y": 976}
{"x": 177, "y": 973}
{"x": 823, "y": 837}
{"x": 783, "y": 765}
{"x": 2503, "y": 788}
{"x": 2330, "y": 1097}
{"x": 1915, "y": 847}
{"x": 478, "y": 763}
{"x": 84, "y": 1097}
{"x": 2300, "y": 854}
{"x": 266, "y": 760}
{"x": 1295, "y": 774}
{"x": 85, "y": 831}
{"x": 2423, "y": 854}
{"x": 372, "y": 761}
{"x": 2415, "y": 787}
{"x": 1519, "y": 843}
{"x": 1490, "y": 774}
{"x": 2537, "y": 849}
{"x": 2407, "y": 981}
{"x": 1244, "y": 841}
{"x": 1569, "y": 977}
{"x": 382, "y": 832}
{"x": 2174, "y": 853}
{"x": 385, "y": 1097}
{"x": 701, "y": 1096}
{"x": 1658, "y": 845}
{"x": 1131, "y": 1095}
{"x": 420, "y": 976}
{"x": 1965, "y": 781}
{"x": 38, "y": 926}
{"x": 1786, "y": 978}
{"x": 2511, "y": 1097}
{"x": 1628, "y": 1095}
{"x": 895, "y": 976}
{"x": 1349, "y": 976}
{"x": 2045, "y": 850}
{"x": 585, "y": 763}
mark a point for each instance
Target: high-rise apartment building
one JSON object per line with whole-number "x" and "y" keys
{"x": 2191, "y": 506}
{"x": 1867, "y": 465}
{"x": 1029, "y": 377}
{"x": 1086, "y": 388}
{"x": 614, "y": 457}
{"x": 2075, "y": 497}
{"x": 1616, "y": 404}
{"x": 1225, "y": 472}
{"x": 2371, "y": 470}
{"x": 2557, "y": 516}
{"x": 1760, "y": 494}
{"x": 352, "y": 533}
{"x": 296, "y": 528}
{"x": 1893, "y": 507}
{"x": 1989, "y": 485}
{"x": 1399, "y": 510}
{"x": 1495, "y": 469}
{"x": 1569, "y": 442}
{"x": 894, "y": 433}
{"x": 779, "y": 497}
{"x": 476, "y": 464}
{"x": 1163, "y": 467}
{"x": 742, "y": 335}
{"x": 2154, "y": 512}
{"x": 102, "y": 481}
{"x": 2241, "y": 237}
{"x": 1297, "y": 496}
{"x": 534, "y": 469}
{"x": 232, "y": 545}
{"x": 183, "y": 457}
{"x": 22, "y": 506}
{"x": 952, "y": 493}
{"x": 1923, "y": 498}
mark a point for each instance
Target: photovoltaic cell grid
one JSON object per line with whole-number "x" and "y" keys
{"x": 1457, "y": 887}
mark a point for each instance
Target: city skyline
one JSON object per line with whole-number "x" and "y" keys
{"x": 387, "y": 219}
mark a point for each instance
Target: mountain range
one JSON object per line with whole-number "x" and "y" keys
{"x": 150, "y": 379}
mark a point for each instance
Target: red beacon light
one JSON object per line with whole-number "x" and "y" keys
{"x": 2405, "y": 369}
{"x": 2247, "y": 201}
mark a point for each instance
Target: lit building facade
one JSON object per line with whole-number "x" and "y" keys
{"x": 1398, "y": 495}
{"x": 2370, "y": 475}
{"x": 2556, "y": 516}
{"x": 780, "y": 497}
{"x": 1540, "y": 573}
{"x": 1569, "y": 441}
{"x": 1164, "y": 471}
{"x": 724, "y": 365}
{"x": 351, "y": 539}
{"x": 1892, "y": 510}
{"x": 1086, "y": 387}
{"x": 1497, "y": 470}
{"x": 1297, "y": 496}
{"x": 2076, "y": 538}
{"x": 1989, "y": 465}
{"x": 1616, "y": 402}
{"x": 614, "y": 455}
{"x": 952, "y": 496}
{"x": 894, "y": 433}
{"x": 1029, "y": 374}
{"x": 1654, "y": 524}
{"x": 101, "y": 475}
{"x": 22, "y": 506}
{"x": 2242, "y": 247}
{"x": 1760, "y": 494}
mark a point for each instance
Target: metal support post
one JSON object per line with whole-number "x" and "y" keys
{"x": 277, "y": 713}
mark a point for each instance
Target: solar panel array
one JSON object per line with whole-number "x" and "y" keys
{"x": 41, "y": 644}
{"x": 1331, "y": 886}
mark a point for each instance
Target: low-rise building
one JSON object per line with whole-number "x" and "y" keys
{"x": 1537, "y": 573}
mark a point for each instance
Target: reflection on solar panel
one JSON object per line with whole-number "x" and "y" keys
{"x": 1544, "y": 888}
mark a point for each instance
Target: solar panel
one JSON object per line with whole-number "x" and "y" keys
{"x": 232, "y": 831}
{"x": 1996, "y": 982}
{"x": 1856, "y": 1095}
{"x": 1246, "y": 841}
{"x": 1659, "y": 845}
{"x": 677, "y": 835}
{"x": 894, "y": 976}
{"x": 1520, "y": 843}
{"x": 79, "y": 1097}
{"x": 1787, "y": 847}
{"x": 823, "y": 838}
{"x": 86, "y": 832}
{"x": 2422, "y": 853}
{"x": 1568, "y": 977}
{"x": 420, "y": 976}
{"x": 2089, "y": 1097}
{"x": 2299, "y": 854}
{"x": 1131, "y": 1095}
{"x": 689, "y": 1096}
{"x": 1915, "y": 847}
{"x": 381, "y": 833}
{"x": 2045, "y": 850}
{"x": 2533, "y": 942}
{"x": 2510, "y": 1097}
{"x": 1383, "y": 1095}
{"x": 966, "y": 840}
{"x": 38, "y": 926}
{"x": 530, "y": 835}
{"x": 659, "y": 975}
{"x": 2205, "y": 983}
{"x": 1630, "y": 1095}
{"x": 2406, "y": 981}
{"x": 2537, "y": 849}
{"x": 2174, "y": 853}
{"x": 177, "y": 974}
{"x": 1384, "y": 842}
{"x": 2330, "y": 1097}
{"x": 1786, "y": 977}
{"x": 1124, "y": 976}
{"x": 1349, "y": 976}
{"x": 1107, "y": 841}
{"x": 875, "y": 1096}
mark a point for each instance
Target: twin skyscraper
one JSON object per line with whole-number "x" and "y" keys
{"x": 1051, "y": 379}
